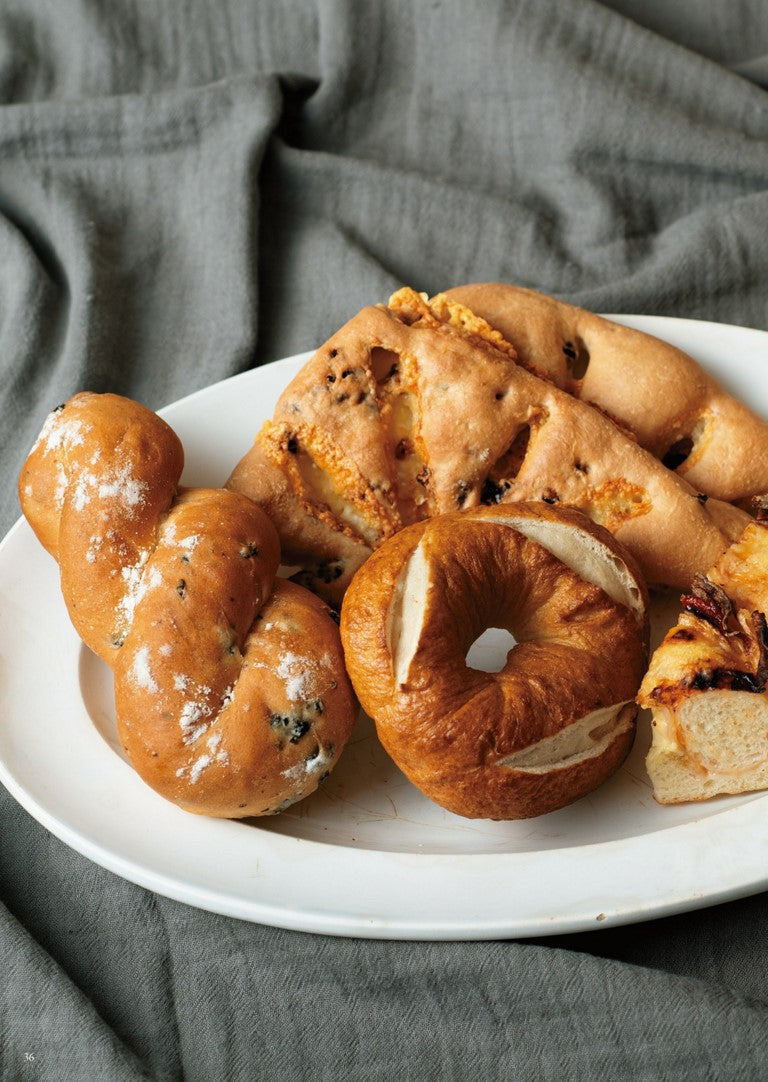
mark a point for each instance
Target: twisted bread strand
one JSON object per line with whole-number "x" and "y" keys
{"x": 230, "y": 689}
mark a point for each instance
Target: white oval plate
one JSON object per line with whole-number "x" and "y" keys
{"x": 367, "y": 855}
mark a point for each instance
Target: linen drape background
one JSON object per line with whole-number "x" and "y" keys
{"x": 191, "y": 189}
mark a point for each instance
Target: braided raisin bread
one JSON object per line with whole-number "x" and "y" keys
{"x": 231, "y": 694}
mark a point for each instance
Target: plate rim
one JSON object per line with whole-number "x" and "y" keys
{"x": 359, "y": 925}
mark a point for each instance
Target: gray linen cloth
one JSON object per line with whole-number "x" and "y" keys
{"x": 190, "y": 189}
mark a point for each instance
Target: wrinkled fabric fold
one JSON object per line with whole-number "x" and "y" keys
{"x": 189, "y": 190}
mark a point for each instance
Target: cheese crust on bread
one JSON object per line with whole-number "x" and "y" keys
{"x": 675, "y": 409}
{"x": 420, "y": 408}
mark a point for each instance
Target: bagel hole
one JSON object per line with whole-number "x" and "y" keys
{"x": 499, "y": 480}
{"x": 677, "y": 454}
{"x": 385, "y": 364}
{"x": 576, "y": 358}
{"x": 488, "y": 653}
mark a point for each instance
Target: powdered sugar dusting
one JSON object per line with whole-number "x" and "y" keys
{"x": 215, "y": 754}
{"x": 138, "y": 582}
{"x": 60, "y": 431}
{"x": 195, "y": 717}
{"x": 122, "y": 485}
{"x": 300, "y": 675}
{"x": 141, "y": 671}
{"x": 307, "y": 768}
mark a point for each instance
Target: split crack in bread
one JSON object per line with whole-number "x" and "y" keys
{"x": 231, "y": 694}
{"x": 419, "y": 408}
{"x": 676, "y": 410}
{"x": 558, "y": 719}
{"x": 706, "y": 683}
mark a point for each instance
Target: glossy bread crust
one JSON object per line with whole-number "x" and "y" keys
{"x": 558, "y": 719}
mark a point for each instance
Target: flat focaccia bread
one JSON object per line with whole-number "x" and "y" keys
{"x": 421, "y": 408}
{"x": 676, "y": 410}
{"x": 706, "y": 685}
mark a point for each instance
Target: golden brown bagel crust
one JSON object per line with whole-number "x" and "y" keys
{"x": 230, "y": 689}
{"x": 420, "y": 408}
{"x": 502, "y": 745}
{"x": 659, "y": 392}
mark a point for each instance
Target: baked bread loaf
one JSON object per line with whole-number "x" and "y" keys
{"x": 706, "y": 684}
{"x": 231, "y": 694}
{"x": 559, "y": 718}
{"x": 420, "y": 408}
{"x": 676, "y": 410}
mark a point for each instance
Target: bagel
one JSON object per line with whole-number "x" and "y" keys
{"x": 707, "y": 684}
{"x": 676, "y": 410}
{"x": 420, "y": 408}
{"x": 231, "y": 695}
{"x": 558, "y": 719}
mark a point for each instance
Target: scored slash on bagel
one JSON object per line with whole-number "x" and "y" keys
{"x": 558, "y": 719}
{"x": 231, "y": 695}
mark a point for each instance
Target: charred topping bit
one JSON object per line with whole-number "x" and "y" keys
{"x": 181, "y": 588}
{"x": 330, "y": 571}
{"x": 185, "y": 559}
{"x": 326, "y": 572}
{"x": 760, "y": 632}
{"x": 331, "y": 378}
{"x": 729, "y": 679}
{"x": 494, "y": 491}
{"x": 249, "y": 550}
{"x": 59, "y": 408}
{"x": 294, "y": 726}
{"x": 677, "y": 453}
{"x": 292, "y": 445}
{"x": 462, "y": 491}
{"x": 347, "y": 372}
{"x": 760, "y": 504}
{"x": 422, "y": 477}
{"x": 117, "y": 641}
{"x": 404, "y": 448}
{"x": 550, "y": 496}
{"x": 333, "y": 353}
{"x": 577, "y": 358}
{"x": 709, "y": 602}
